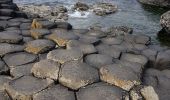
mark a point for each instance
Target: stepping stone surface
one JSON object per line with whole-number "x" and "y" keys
{"x": 76, "y": 74}
{"x": 39, "y": 46}
{"x": 4, "y": 80}
{"x": 4, "y": 95}
{"x": 3, "y": 67}
{"x": 56, "y": 92}
{"x": 39, "y": 33}
{"x": 10, "y": 38}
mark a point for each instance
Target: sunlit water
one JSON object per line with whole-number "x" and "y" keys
{"x": 130, "y": 13}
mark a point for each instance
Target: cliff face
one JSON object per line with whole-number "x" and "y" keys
{"x": 161, "y": 3}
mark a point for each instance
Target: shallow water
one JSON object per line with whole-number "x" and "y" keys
{"x": 131, "y": 13}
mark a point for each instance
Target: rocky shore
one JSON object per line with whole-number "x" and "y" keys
{"x": 43, "y": 60}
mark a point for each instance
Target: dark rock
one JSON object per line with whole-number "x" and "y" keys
{"x": 4, "y": 95}
{"x": 7, "y": 12}
{"x": 4, "y": 80}
{"x": 119, "y": 30}
{"x": 3, "y": 67}
{"x": 165, "y": 21}
{"x": 161, "y": 3}
{"x": 81, "y": 6}
{"x": 64, "y": 25}
{"x": 142, "y": 39}
{"x": 25, "y": 26}
{"x": 10, "y": 38}
{"x": 43, "y": 24}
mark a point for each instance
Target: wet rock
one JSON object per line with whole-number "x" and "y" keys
{"x": 46, "y": 69}
{"x": 43, "y": 56}
{"x": 26, "y": 32}
{"x": 25, "y": 26}
{"x": 149, "y": 93}
{"x": 23, "y": 20}
{"x": 56, "y": 92}
{"x": 119, "y": 31}
{"x": 3, "y": 67}
{"x": 39, "y": 33}
{"x": 21, "y": 70}
{"x": 119, "y": 75}
{"x": 7, "y": 12}
{"x": 39, "y": 46}
{"x": 6, "y": 48}
{"x": 102, "y": 9}
{"x": 4, "y": 80}
{"x": 4, "y": 95}
{"x": 142, "y": 39}
{"x": 84, "y": 47}
{"x": 89, "y": 39}
{"x": 98, "y": 60}
{"x": 165, "y": 21}
{"x": 10, "y": 38}
{"x": 95, "y": 33}
{"x": 76, "y": 74}
{"x": 100, "y": 91}
{"x": 64, "y": 25}
{"x": 27, "y": 39}
{"x": 111, "y": 41}
{"x": 38, "y": 24}
{"x": 5, "y": 1}
{"x": 26, "y": 86}
{"x": 81, "y": 6}
{"x": 134, "y": 58}
{"x": 61, "y": 38}
{"x": 161, "y": 3}
{"x": 62, "y": 56}
{"x": 14, "y": 24}
{"x": 162, "y": 60}
{"x": 108, "y": 50}
{"x": 5, "y": 18}
{"x": 21, "y": 58}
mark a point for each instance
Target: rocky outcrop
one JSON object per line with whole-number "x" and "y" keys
{"x": 165, "y": 21}
{"x": 161, "y": 3}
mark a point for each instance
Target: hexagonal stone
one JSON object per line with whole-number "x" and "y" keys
{"x": 96, "y": 33}
{"x": 76, "y": 74}
{"x": 14, "y": 24}
{"x": 7, "y": 12}
{"x": 23, "y": 20}
{"x": 39, "y": 46}
{"x": 84, "y": 47}
{"x": 4, "y": 95}
{"x": 23, "y": 88}
{"x": 3, "y": 67}
{"x": 27, "y": 39}
{"x": 61, "y": 38}
{"x": 142, "y": 39}
{"x": 6, "y": 48}
{"x": 151, "y": 55}
{"x": 134, "y": 58}
{"x": 4, "y": 80}
{"x": 111, "y": 41}
{"x": 140, "y": 47}
{"x": 89, "y": 39}
{"x": 98, "y": 60}
{"x": 108, "y": 50}
{"x": 119, "y": 75}
{"x": 64, "y": 25}
{"x": 10, "y": 38}
{"x": 56, "y": 92}
{"x": 25, "y": 26}
{"x": 62, "y": 56}
{"x": 38, "y": 24}
{"x": 26, "y": 32}
{"x": 39, "y": 33}
{"x": 20, "y": 58}
{"x": 21, "y": 70}
{"x": 100, "y": 91}
{"x": 46, "y": 69}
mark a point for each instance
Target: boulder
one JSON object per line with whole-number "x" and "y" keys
{"x": 81, "y": 6}
{"x": 161, "y": 3}
{"x": 165, "y": 21}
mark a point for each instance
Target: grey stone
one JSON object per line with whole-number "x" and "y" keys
{"x": 165, "y": 21}
{"x": 43, "y": 24}
{"x": 119, "y": 31}
{"x": 149, "y": 93}
{"x": 21, "y": 58}
{"x": 21, "y": 70}
{"x": 119, "y": 75}
{"x": 84, "y": 47}
{"x": 98, "y": 60}
{"x": 89, "y": 39}
{"x": 62, "y": 56}
{"x": 23, "y": 20}
{"x": 4, "y": 95}
{"x": 39, "y": 33}
{"x": 14, "y": 24}
{"x": 24, "y": 87}
{"x": 142, "y": 39}
{"x": 4, "y": 80}
{"x": 3, "y": 67}
{"x": 96, "y": 33}
{"x": 161, "y": 3}
{"x": 76, "y": 74}
{"x": 56, "y": 92}
{"x": 6, "y": 48}
{"x": 46, "y": 69}
{"x": 112, "y": 41}
{"x": 64, "y": 25}
{"x": 27, "y": 39}
{"x": 26, "y": 32}
{"x": 7, "y": 12}
{"x": 39, "y": 46}
{"x": 100, "y": 91}
{"x": 10, "y": 38}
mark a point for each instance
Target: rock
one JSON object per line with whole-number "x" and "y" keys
{"x": 142, "y": 39}
{"x": 89, "y": 39}
{"x": 6, "y": 48}
{"x": 4, "y": 95}
{"x": 46, "y": 69}
{"x": 23, "y": 20}
{"x": 27, "y": 39}
{"x": 165, "y": 21}
{"x": 76, "y": 74}
{"x": 162, "y": 60}
{"x": 21, "y": 58}
{"x": 43, "y": 56}
{"x": 149, "y": 93}
{"x": 39, "y": 46}
{"x": 111, "y": 41}
{"x": 98, "y": 60}
{"x": 81, "y": 6}
{"x": 10, "y": 38}
{"x": 38, "y": 24}
{"x": 102, "y": 9}
{"x": 119, "y": 31}
{"x": 84, "y": 47}
{"x": 25, "y": 26}
{"x": 95, "y": 33}
{"x": 14, "y": 24}
{"x": 5, "y": 18}
{"x": 7, "y": 12}
{"x": 119, "y": 75}
{"x": 100, "y": 91}
{"x": 26, "y": 86}
{"x": 64, "y": 25}
{"x": 56, "y": 92}
{"x": 62, "y": 56}
{"x": 22, "y": 70}
{"x": 26, "y": 32}
{"x": 4, "y": 80}
{"x": 3, "y": 67}
{"x": 108, "y": 50}
{"x": 39, "y": 33}
{"x": 5, "y": 1}
{"x": 161, "y": 3}
{"x": 160, "y": 81}
{"x": 61, "y": 38}
{"x": 134, "y": 58}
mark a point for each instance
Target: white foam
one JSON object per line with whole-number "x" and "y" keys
{"x": 78, "y": 14}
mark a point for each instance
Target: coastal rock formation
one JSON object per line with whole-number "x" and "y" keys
{"x": 165, "y": 21}
{"x": 161, "y": 3}
{"x": 81, "y": 6}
